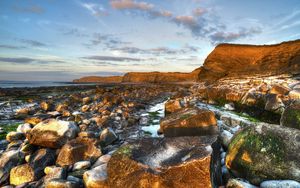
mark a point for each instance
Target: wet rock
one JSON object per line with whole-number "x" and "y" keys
{"x": 24, "y": 128}
{"x": 85, "y": 108}
{"x": 46, "y": 106}
{"x": 236, "y": 183}
{"x": 86, "y": 100}
{"x": 102, "y": 160}
{"x": 173, "y": 106}
{"x": 22, "y": 174}
{"x": 108, "y": 136}
{"x": 13, "y": 136}
{"x": 60, "y": 183}
{"x": 52, "y": 133}
{"x": 279, "y": 89}
{"x": 8, "y": 160}
{"x": 225, "y": 137}
{"x": 54, "y": 172}
{"x": 34, "y": 169}
{"x": 280, "y": 184}
{"x": 81, "y": 165}
{"x": 189, "y": 122}
{"x": 33, "y": 120}
{"x": 265, "y": 152}
{"x": 166, "y": 162}
{"x": 96, "y": 178}
{"x": 78, "y": 150}
{"x": 291, "y": 116}
{"x": 294, "y": 95}
{"x": 274, "y": 103}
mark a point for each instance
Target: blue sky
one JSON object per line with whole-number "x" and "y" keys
{"x": 63, "y": 40}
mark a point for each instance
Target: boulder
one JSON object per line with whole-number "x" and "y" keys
{"x": 96, "y": 178}
{"x": 265, "y": 152}
{"x": 166, "y": 162}
{"x": 61, "y": 183}
{"x": 24, "y": 128}
{"x": 291, "y": 116}
{"x": 189, "y": 122}
{"x": 279, "y": 89}
{"x": 236, "y": 183}
{"x": 52, "y": 133}
{"x": 22, "y": 174}
{"x": 280, "y": 184}
{"x": 8, "y": 160}
{"x": 76, "y": 150}
{"x": 14, "y": 136}
{"x": 274, "y": 103}
{"x": 54, "y": 172}
{"x": 173, "y": 106}
{"x": 81, "y": 165}
{"x": 34, "y": 169}
{"x": 33, "y": 120}
{"x": 108, "y": 136}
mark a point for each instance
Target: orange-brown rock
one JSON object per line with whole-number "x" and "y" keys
{"x": 189, "y": 122}
{"x": 109, "y": 79}
{"x": 166, "y": 162}
{"x": 77, "y": 150}
{"x": 173, "y": 106}
{"x": 33, "y": 120}
{"x": 160, "y": 77}
{"x": 230, "y": 60}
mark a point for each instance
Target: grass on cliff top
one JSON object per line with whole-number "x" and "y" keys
{"x": 8, "y": 128}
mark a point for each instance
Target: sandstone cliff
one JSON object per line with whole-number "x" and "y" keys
{"x": 145, "y": 77}
{"x": 109, "y": 79}
{"x": 231, "y": 60}
{"x": 159, "y": 77}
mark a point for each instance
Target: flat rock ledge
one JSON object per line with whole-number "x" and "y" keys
{"x": 166, "y": 162}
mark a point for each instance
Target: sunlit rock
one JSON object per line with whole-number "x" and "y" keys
{"x": 166, "y": 162}
{"x": 189, "y": 122}
{"x": 96, "y": 177}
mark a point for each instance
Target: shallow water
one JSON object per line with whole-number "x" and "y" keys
{"x": 154, "y": 114}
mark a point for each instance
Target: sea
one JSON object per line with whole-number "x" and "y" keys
{"x": 16, "y": 84}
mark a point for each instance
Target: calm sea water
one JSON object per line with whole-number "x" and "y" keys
{"x": 12, "y": 84}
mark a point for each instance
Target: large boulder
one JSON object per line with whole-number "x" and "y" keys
{"x": 8, "y": 160}
{"x": 291, "y": 116}
{"x": 52, "y": 133}
{"x": 189, "y": 122}
{"x": 265, "y": 152}
{"x": 76, "y": 150}
{"x": 166, "y": 162}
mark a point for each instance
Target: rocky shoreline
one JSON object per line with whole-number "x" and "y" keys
{"x": 98, "y": 137}
{"x": 229, "y": 129}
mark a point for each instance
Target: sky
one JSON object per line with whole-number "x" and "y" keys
{"x": 55, "y": 40}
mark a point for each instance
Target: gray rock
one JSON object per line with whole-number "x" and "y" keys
{"x": 108, "y": 136}
{"x": 81, "y": 165}
{"x": 280, "y": 184}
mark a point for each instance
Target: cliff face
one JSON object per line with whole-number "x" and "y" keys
{"x": 160, "y": 77}
{"x": 109, "y": 79}
{"x": 231, "y": 60}
{"x": 144, "y": 77}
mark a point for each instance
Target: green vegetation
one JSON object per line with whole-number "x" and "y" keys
{"x": 185, "y": 116}
{"x": 125, "y": 150}
{"x": 147, "y": 133}
{"x": 8, "y": 128}
{"x": 248, "y": 117}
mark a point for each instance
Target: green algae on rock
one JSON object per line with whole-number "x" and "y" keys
{"x": 291, "y": 116}
{"x": 265, "y": 152}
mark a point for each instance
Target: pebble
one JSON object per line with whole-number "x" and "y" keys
{"x": 280, "y": 184}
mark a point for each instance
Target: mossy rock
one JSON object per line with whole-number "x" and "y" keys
{"x": 291, "y": 116}
{"x": 7, "y": 129}
{"x": 265, "y": 152}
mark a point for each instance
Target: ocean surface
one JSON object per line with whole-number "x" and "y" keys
{"x": 12, "y": 84}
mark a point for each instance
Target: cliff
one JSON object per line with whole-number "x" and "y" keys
{"x": 144, "y": 77}
{"x": 231, "y": 60}
{"x": 160, "y": 77}
{"x": 109, "y": 79}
